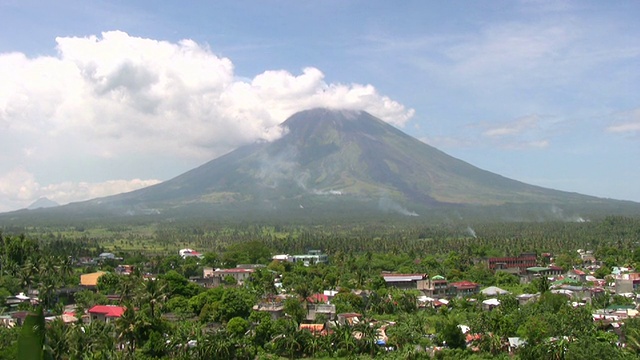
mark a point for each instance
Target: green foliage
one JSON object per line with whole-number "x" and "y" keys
{"x": 295, "y": 309}
{"x": 621, "y": 300}
{"x": 32, "y": 337}
{"x": 86, "y": 299}
{"x": 602, "y": 272}
{"x": 211, "y": 296}
{"x": 235, "y": 302}
{"x": 359, "y": 253}
{"x": 108, "y": 283}
{"x": 506, "y": 279}
{"x": 177, "y": 284}
{"x": 9, "y": 342}
{"x": 252, "y": 252}
{"x": 348, "y": 302}
{"x": 237, "y": 326}
{"x": 450, "y": 334}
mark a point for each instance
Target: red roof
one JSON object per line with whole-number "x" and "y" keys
{"x": 107, "y": 310}
{"x": 464, "y": 284}
{"x": 318, "y": 298}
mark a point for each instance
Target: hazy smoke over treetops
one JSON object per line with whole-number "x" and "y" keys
{"x": 104, "y": 99}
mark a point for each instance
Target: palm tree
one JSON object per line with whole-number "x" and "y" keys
{"x": 127, "y": 287}
{"x": 126, "y": 328}
{"x": 57, "y": 339}
{"x": 102, "y": 339}
{"x": 368, "y": 336}
{"x": 343, "y": 338}
{"x": 289, "y": 341}
{"x": 65, "y": 267}
{"x": 155, "y": 295}
{"x": 27, "y": 274}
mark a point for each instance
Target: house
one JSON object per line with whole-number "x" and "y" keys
{"x": 490, "y": 304}
{"x": 107, "y": 256}
{"x": 436, "y": 287}
{"x": 588, "y": 258}
{"x": 206, "y": 282}
{"x": 91, "y": 280}
{"x": 187, "y": 253}
{"x": 311, "y": 258}
{"x": 313, "y": 310}
{"x": 463, "y": 288}
{"x": 275, "y": 307}
{"x": 518, "y": 264}
{"x": 124, "y": 269}
{"x": 67, "y": 318}
{"x": 539, "y": 271}
{"x": 494, "y": 291}
{"x": 19, "y": 317}
{"x": 526, "y": 298}
{"x": 318, "y": 299}
{"x": 240, "y": 275}
{"x": 282, "y": 258}
{"x": 577, "y": 275}
{"x": 406, "y": 281}
{"x": 105, "y": 313}
{"x": 349, "y": 318}
{"x": 14, "y": 301}
{"x": 329, "y": 294}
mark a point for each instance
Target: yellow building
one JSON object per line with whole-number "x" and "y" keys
{"x": 90, "y": 280}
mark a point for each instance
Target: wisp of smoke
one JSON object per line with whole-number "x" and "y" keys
{"x": 388, "y": 205}
{"x": 471, "y": 232}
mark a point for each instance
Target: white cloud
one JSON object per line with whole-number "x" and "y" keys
{"x": 19, "y": 188}
{"x": 627, "y": 122}
{"x": 526, "y": 132}
{"x": 69, "y": 191}
{"x": 515, "y": 127}
{"x": 115, "y": 95}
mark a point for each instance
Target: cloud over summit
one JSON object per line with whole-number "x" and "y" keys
{"x": 107, "y": 97}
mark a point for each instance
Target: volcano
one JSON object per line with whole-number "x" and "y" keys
{"x": 342, "y": 163}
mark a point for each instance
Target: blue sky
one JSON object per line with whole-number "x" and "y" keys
{"x": 102, "y": 97}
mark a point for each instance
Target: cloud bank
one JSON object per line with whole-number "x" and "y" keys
{"x": 108, "y": 97}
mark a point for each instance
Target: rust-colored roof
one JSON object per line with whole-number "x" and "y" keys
{"x": 91, "y": 279}
{"x": 464, "y": 284}
{"x": 318, "y": 298}
{"x": 313, "y": 328}
{"x": 107, "y": 310}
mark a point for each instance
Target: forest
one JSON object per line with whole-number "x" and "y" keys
{"x": 169, "y": 316}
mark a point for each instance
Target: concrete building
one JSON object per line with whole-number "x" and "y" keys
{"x": 313, "y": 310}
{"x": 240, "y": 275}
{"x": 517, "y": 263}
{"x": 463, "y": 288}
{"x": 105, "y": 313}
{"x": 406, "y": 281}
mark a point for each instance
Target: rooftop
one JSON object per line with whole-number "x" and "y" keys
{"x": 108, "y": 310}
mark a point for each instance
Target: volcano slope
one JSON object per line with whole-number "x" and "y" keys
{"x": 341, "y": 164}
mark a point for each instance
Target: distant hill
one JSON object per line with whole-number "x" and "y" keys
{"x": 341, "y": 164}
{"x": 42, "y": 203}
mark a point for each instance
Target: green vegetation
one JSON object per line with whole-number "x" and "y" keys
{"x": 172, "y": 317}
